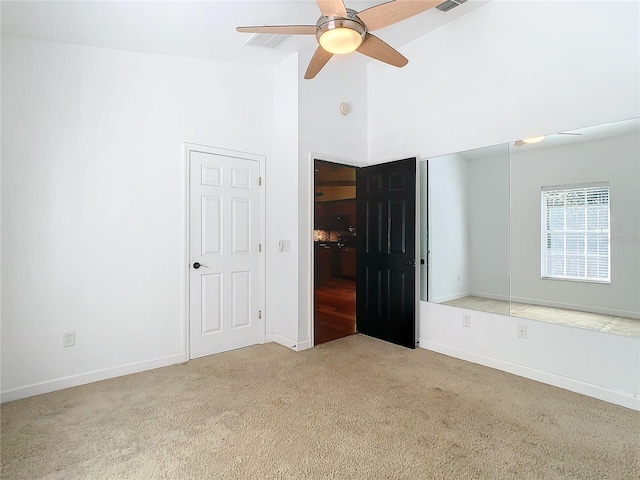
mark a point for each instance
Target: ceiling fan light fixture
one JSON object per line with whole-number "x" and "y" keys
{"x": 340, "y": 35}
{"x": 534, "y": 139}
{"x": 340, "y": 40}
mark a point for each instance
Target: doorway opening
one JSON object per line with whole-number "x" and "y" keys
{"x": 335, "y": 251}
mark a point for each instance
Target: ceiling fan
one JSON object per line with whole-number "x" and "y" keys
{"x": 342, "y": 30}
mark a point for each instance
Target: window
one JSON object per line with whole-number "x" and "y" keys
{"x": 575, "y": 232}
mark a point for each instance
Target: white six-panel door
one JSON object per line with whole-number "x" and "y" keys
{"x": 224, "y": 218}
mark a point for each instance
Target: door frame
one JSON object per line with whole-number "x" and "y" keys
{"x": 313, "y": 156}
{"x": 194, "y": 147}
{"x": 425, "y": 213}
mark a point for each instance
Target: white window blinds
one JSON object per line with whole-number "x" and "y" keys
{"x": 575, "y": 232}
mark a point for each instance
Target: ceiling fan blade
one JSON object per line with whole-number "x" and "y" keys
{"x": 288, "y": 29}
{"x": 373, "y": 47}
{"x": 332, "y": 8}
{"x": 319, "y": 60}
{"x": 389, "y": 13}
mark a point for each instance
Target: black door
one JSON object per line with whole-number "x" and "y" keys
{"x": 385, "y": 287}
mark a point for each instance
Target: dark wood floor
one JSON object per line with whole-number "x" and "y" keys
{"x": 335, "y": 310}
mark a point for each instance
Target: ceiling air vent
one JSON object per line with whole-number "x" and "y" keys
{"x": 266, "y": 40}
{"x": 449, "y": 4}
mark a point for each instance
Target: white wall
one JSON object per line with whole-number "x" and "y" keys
{"x": 93, "y": 197}
{"x": 495, "y": 74}
{"x": 93, "y": 201}
{"x": 616, "y": 160}
{"x": 512, "y": 70}
{"x": 448, "y": 227}
{"x": 489, "y": 225}
{"x": 282, "y": 208}
{"x": 601, "y": 365}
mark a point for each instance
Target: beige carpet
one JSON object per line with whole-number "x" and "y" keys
{"x": 353, "y": 408}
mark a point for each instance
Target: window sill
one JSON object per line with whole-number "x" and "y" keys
{"x": 579, "y": 280}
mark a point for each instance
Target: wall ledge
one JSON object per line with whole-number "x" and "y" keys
{"x": 580, "y": 308}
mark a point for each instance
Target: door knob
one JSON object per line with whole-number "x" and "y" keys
{"x": 411, "y": 263}
{"x": 197, "y": 265}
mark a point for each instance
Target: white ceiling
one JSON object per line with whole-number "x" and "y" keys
{"x": 197, "y": 29}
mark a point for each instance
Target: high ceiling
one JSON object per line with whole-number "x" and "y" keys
{"x": 202, "y": 29}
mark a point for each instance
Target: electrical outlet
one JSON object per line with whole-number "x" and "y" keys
{"x": 522, "y": 331}
{"x": 466, "y": 321}
{"x": 68, "y": 339}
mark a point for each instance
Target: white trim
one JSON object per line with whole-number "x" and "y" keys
{"x": 447, "y": 298}
{"x": 185, "y": 252}
{"x": 491, "y": 296}
{"x": 263, "y": 240}
{"x": 560, "y": 278}
{"x": 577, "y": 386}
{"x": 261, "y": 159}
{"x": 330, "y": 158}
{"x": 429, "y": 237}
{"x": 572, "y": 186}
{"x": 281, "y": 340}
{"x": 196, "y": 147}
{"x": 303, "y": 345}
{"x": 312, "y": 250}
{"x": 90, "y": 377}
{"x": 417, "y": 252}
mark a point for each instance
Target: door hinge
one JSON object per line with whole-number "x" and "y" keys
{"x": 259, "y": 314}
{"x": 259, "y": 248}
{"x": 259, "y": 180}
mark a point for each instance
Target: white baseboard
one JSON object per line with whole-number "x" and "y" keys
{"x": 619, "y": 398}
{"x": 303, "y": 345}
{"x": 284, "y": 341}
{"x": 490, "y": 296}
{"x": 448, "y": 298}
{"x": 580, "y": 308}
{"x": 89, "y": 377}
